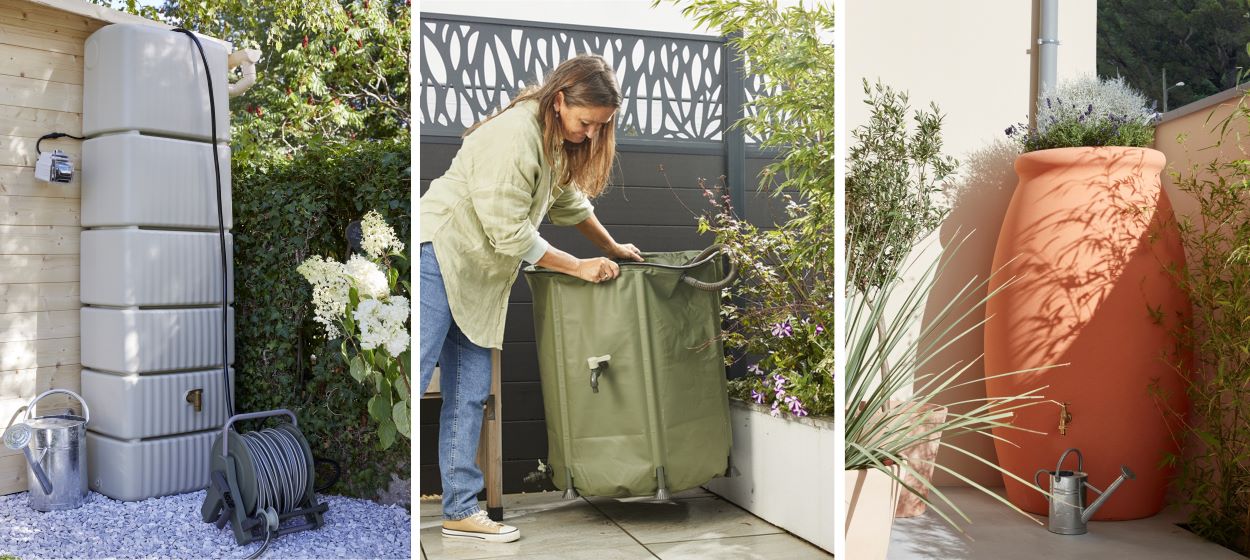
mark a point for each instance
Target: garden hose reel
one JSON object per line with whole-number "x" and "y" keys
{"x": 261, "y": 480}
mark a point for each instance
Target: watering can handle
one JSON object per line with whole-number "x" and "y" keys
{"x": 1038, "y": 483}
{"x": 1080, "y": 461}
{"x": 711, "y": 286}
{"x": 86, "y": 412}
{"x": 225, "y": 430}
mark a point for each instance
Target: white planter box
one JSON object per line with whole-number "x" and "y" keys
{"x": 785, "y": 471}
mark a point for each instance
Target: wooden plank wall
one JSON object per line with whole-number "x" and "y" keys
{"x": 41, "y": 75}
{"x": 656, "y": 211}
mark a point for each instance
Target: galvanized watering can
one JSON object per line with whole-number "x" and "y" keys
{"x": 56, "y": 454}
{"x": 1068, "y": 514}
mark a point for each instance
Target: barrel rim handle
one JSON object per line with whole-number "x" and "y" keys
{"x": 30, "y": 407}
{"x": 703, "y": 257}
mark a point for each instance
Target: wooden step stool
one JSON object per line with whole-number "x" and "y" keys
{"x": 490, "y": 448}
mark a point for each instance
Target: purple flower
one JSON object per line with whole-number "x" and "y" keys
{"x": 782, "y": 330}
{"x": 757, "y": 396}
{"x": 755, "y": 368}
{"x": 820, "y": 328}
{"x": 779, "y": 380}
{"x": 796, "y": 406}
{"x": 775, "y": 411}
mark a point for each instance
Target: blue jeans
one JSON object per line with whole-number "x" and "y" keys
{"x": 464, "y": 380}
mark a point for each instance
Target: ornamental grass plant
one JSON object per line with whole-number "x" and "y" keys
{"x": 1213, "y": 474}
{"x": 891, "y": 377}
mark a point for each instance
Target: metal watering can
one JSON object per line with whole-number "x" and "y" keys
{"x": 1068, "y": 513}
{"x": 56, "y": 454}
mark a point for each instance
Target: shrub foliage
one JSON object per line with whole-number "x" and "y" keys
{"x": 287, "y": 209}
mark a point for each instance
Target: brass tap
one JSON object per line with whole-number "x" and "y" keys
{"x": 196, "y": 398}
{"x": 1065, "y": 418}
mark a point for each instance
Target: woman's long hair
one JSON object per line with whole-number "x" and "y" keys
{"x": 587, "y": 81}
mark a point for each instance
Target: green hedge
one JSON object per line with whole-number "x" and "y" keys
{"x": 285, "y": 211}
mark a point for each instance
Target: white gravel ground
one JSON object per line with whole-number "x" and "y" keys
{"x": 170, "y": 527}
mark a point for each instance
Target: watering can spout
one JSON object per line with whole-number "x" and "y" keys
{"x": 1125, "y": 474}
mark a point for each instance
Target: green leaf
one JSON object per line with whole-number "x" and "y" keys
{"x": 402, "y": 388}
{"x": 358, "y": 369}
{"x": 400, "y": 413}
{"x": 380, "y": 407}
{"x": 383, "y": 386}
{"x": 386, "y": 434}
{"x": 380, "y": 360}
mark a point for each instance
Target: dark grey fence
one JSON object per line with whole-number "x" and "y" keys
{"x": 680, "y": 91}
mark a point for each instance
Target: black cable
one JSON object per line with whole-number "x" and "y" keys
{"x": 338, "y": 472}
{"x": 221, "y": 230}
{"x": 263, "y": 547}
{"x": 53, "y": 136}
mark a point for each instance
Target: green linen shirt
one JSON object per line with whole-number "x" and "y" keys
{"x": 483, "y": 216}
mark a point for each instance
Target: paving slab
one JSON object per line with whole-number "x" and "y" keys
{"x": 680, "y": 520}
{"x": 551, "y": 527}
{"x": 996, "y": 532}
{"x": 783, "y": 546}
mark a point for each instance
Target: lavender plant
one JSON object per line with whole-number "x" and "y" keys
{"x": 1088, "y": 111}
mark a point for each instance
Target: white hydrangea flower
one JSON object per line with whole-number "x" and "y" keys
{"x": 382, "y": 324}
{"x": 369, "y": 279}
{"x": 377, "y": 238}
{"x": 330, "y": 291}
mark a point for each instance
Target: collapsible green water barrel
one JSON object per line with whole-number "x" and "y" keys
{"x": 633, "y": 375}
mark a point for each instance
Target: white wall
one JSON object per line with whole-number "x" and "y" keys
{"x": 972, "y": 58}
{"x": 969, "y": 56}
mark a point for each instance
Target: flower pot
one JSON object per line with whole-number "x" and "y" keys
{"x": 1088, "y": 238}
{"x": 920, "y": 458}
{"x": 871, "y": 498}
{"x": 784, "y": 469}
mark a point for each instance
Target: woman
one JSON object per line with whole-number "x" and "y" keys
{"x": 547, "y": 152}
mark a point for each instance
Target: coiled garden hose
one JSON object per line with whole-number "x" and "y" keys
{"x": 281, "y": 469}
{"x": 281, "y": 476}
{"x": 259, "y": 479}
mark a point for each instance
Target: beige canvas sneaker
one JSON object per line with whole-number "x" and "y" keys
{"x": 479, "y": 527}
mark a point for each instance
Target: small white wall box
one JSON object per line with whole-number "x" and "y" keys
{"x": 150, "y": 259}
{"x": 54, "y": 167}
